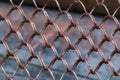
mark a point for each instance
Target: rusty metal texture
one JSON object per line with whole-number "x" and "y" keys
{"x": 37, "y": 43}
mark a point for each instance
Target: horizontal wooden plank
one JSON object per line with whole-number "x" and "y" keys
{"x": 112, "y": 5}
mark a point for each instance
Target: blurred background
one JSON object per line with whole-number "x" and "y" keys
{"x": 9, "y": 67}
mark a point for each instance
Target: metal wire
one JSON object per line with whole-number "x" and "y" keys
{"x": 65, "y": 42}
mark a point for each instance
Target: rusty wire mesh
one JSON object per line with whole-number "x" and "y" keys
{"x": 37, "y": 43}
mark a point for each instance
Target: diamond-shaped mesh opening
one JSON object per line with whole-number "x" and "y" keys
{"x": 10, "y": 70}
{"x": 86, "y": 24}
{"x": 25, "y": 28}
{"x": 34, "y": 67}
{"x": 109, "y": 28}
{"x": 39, "y": 19}
{"x": 105, "y": 49}
{"x": 23, "y": 51}
{"x": 37, "y": 43}
{"x": 74, "y": 35}
{"x": 63, "y": 18}
{"x": 83, "y": 48}
{"x": 16, "y": 18}
{"x": 58, "y": 64}
{"x": 82, "y": 72}
{"x": 60, "y": 41}
{"x": 94, "y": 62}
{"x": 50, "y": 33}
{"x": 13, "y": 41}
{"x": 71, "y": 54}
{"x": 97, "y": 37}
{"x": 47, "y": 60}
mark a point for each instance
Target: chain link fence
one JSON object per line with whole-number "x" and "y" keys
{"x": 60, "y": 40}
